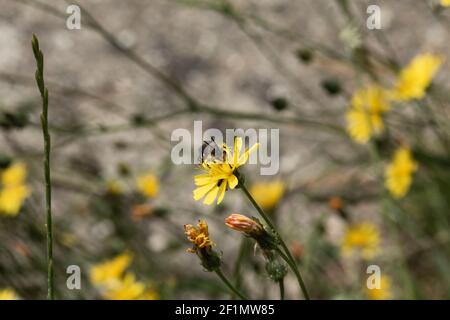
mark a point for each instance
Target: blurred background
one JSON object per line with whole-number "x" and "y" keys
{"x": 137, "y": 70}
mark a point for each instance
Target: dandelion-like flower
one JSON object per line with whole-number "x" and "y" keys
{"x": 244, "y": 224}
{"x": 445, "y": 3}
{"x": 128, "y": 288}
{"x": 148, "y": 185}
{"x": 362, "y": 238}
{"x": 399, "y": 173}
{"x": 13, "y": 190}
{"x": 365, "y": 116}
{"x": 221, "y": 174}
{"x": 415, "y": 78}
{"x": 384, "y": 292}
{"x": 267, "y": 194}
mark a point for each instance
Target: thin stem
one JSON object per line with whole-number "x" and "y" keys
{"x": 281, "y": 284}
{"x": 287, "y": 256}
{"x": 237, "y": 265}
{"x": 229, "y": 285}
{"x": 48, "y": 188}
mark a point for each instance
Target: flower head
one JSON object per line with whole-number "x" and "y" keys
{"x": 384, "y": 292}
{"x": 445, "y": 3}
{"x": 148, "y": 185}
{"x": 398, "y": 174}
{"x": 202, "y": 245}
{"x": 415, "y": 78}
{"x": 13, "y": 190}
{"x": 199, "y": 235}
{"x": 364, "y": 118}
{"x": 8, "y": 294}
{"x": 221, "y": 174}
{"x": 363, "y": 238}
{"x": 267, "y": 194}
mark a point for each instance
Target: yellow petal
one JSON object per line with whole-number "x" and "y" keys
{"x": 211, "y": 196}
{"x": 203, "y": 179}
{"x": 201, "y": 191}
{"x": 222, "y": 189}
{"x": 233, "y": 181}
{"x": 237, "y": 149}
{"x": 243, "y": 159}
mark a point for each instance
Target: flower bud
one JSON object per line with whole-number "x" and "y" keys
{"x": 244, "y": 224}
{"x": 252, "y": 228}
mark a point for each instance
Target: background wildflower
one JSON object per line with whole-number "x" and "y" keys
{"x": 268, "y": 194}
{"x": 415, "y": 78}
{"x": 13, "y": 190}
{"x": 363, "y": 239}
{"x": 8, "y": 294}
{"x": 365, "y": 116}
{"x": 382, "y": 293}
{"x": 148, "y": 185}
{"x": 399, "y": 173}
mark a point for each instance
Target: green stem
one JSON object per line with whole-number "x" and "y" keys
{"x": 48, "y": 188}
{"x": 229, "y": 285}
{"x": 237, "y": 266}
{"x": 287, "y": 256}
{"x": 281, "y": 283}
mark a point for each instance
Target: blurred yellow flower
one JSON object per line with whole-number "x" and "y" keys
{"x": 267, "y": 194}
{"x": 115, "y": 284}
{"x": 14, "y": 175}
{"x": 362, "y": 238}
{"x": 382, "y": 293}
{"x": 445, "y": 3}
{"x": 199, "y": 235}
{"x": 398, "y": 174}
{"x": 114, "y": 187}
{"x": 110, "y": 270}
{"x": 14, "y": 190}
{"x": 415, "y": 78}
{"x": 148, "y": 185}
{"x": 8, "y": 294}
{"x": 221, "y": 175}
{"x": 126, "y": 288}
{"x": 364, "y": 118}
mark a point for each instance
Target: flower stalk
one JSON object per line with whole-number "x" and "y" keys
{"x": 39, "y": 75}
{"x": 286, "y": 255}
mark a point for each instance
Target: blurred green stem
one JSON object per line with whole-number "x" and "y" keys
{"x": 287, "y": 256}
{"x": 48, "y": 188}
{"x": 229, "y": 285}
{"x": 281, "y": 283}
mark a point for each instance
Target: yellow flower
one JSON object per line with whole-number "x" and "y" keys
{"x": 363, "y": 238}
{"x": 415, "y": 78}
{"x": 221, "y": 175}
{"x": 14, "y": 191}
{"x": 198, "y": 236}
{"x": 11, "y": 199}
{"x": 445, "y": 3}
{"x": 267, "y": 194}
{"x": 8, "y": 294}
{"x": 126, "y": 288}
{"x": 14, "y": 175}
{"x": 398, "y": 174}
{"x": 382, "y": 293}
{"x": 111, "y": 270}
{"x": 148, "y": 185}
{"x": 364, "y": 118}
